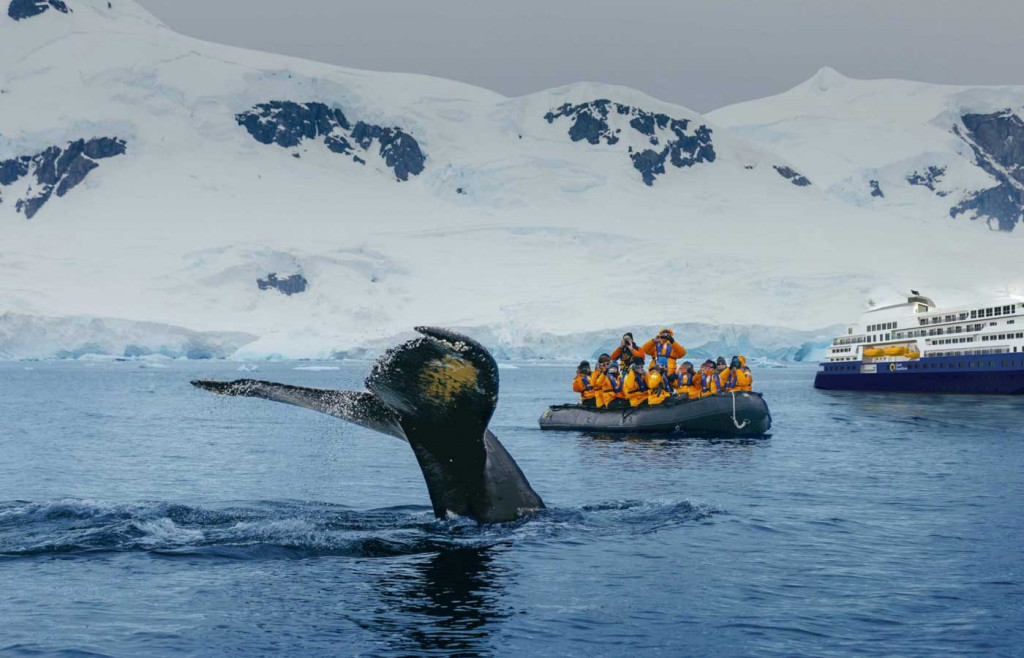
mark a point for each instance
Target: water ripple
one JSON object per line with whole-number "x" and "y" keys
{"x": 291, "y": 529}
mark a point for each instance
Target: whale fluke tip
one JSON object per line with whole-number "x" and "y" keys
{"x": 241, "y": 387}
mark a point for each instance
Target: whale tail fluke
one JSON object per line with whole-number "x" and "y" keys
{"x": 438, "y": 392}
{"x": 444, "y": 387}
{"x": 357, "y": 407}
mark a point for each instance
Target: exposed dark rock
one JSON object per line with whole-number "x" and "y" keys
{"x": 929, "y": 178}
{"x": 400, "y": 151}
{"x": 291, "y": 285}
{"x": 875, "y": 189}
{"x": 997, "y": 140}
{"x": 650, "y": 164}
{"x": 1002, "y": 203}
{"x": 57, "y": 169}
{"x": 22, "y": 9}
{"x": 12, "y": 170}
{"x": 590, "y": 122}
{"x": 792, "y": 176}
{"x": 287, "y": 124}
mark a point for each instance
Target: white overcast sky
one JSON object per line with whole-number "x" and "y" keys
{"x": 698, "y": 53}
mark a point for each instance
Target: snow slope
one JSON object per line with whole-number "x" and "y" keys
{"x": 550, "y": 214}
{"x": 845, "y": 133}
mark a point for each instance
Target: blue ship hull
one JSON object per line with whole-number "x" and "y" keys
{"x": 997, "y": 374}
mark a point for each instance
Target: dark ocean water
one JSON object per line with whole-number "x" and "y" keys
{"x": 139, "y": 516}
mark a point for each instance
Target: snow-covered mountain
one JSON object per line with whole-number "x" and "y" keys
{"x": 899, "y": 147}
{"x": 151, "y": 177}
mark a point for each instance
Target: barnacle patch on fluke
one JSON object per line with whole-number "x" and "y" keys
{"x": 444, "y": 380}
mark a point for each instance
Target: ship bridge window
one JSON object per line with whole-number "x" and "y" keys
{"x": 974, "y": 315}
{"x": 988, "y": 312}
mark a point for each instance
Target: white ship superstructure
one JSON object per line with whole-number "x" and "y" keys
{"x": 918, "y": 347}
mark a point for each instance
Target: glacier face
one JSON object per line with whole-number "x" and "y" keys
{"x": 398, "y": 200}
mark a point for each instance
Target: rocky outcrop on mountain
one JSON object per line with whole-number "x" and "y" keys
{"x": 290, "y": 285}
{"x": 928, "y": 178}
{"x": 288, "y": 124}
{"x": 22, "y": 9}
{"x": 792, "y": 176}
{"x": 876, "y": 189}
{"x": 603, "y": 121}
{"x": 997, "y": 140}
{"x": 58, "y": 169}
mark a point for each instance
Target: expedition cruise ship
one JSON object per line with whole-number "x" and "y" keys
{"x": 916, "y": 347}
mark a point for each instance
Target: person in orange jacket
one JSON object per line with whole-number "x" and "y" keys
{"x": 740, "y": 377}
{"x": 627, "y": 351}
{"x": 635, "y": 387}
{"x": 583, "y": 386}
{"x": 686, "y": 381}
{"x": 658, "y": 389}
{"x": 664, "y": 350}
{"x": 722, "y": 371}
{"x": 597, "y": 379}
{"x": 613, "y": 388}
{"x": 710, "y": 384}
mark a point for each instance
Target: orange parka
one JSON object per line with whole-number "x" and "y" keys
{"x": 611, "y": 388}
{"x": 597, "y": 383}
{"x": 741, "y": 378}
{"x": 635, "y": 388}
{"x": 688, "y": 384}
{"x": 658, "y": 389}
{"x": 709, "y": 384}
{"x": 636, "y": 353}
{"x": 664, "y": 352}
{"x": 583, "y": 385}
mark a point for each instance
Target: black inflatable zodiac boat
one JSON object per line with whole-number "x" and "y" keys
{"x": 725, "y": 414}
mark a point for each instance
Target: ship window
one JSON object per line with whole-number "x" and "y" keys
{"x": 988, "y": 312}
{"x": 997, "y": 310}
{"x": 1011, "y": 322}
{"x": 974, "y": 315}
{"x": 1007, "y": 310}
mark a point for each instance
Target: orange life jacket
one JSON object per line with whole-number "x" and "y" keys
{"x": 709, "y": 384}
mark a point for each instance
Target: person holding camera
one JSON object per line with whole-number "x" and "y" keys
{"x": 627, "y": 351}
{"x": 613, "y": 392}
{"x": 583, "y": 385}
{"x": 664, "y": 350}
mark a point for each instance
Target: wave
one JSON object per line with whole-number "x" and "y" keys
{"x": 293, "y": 529}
